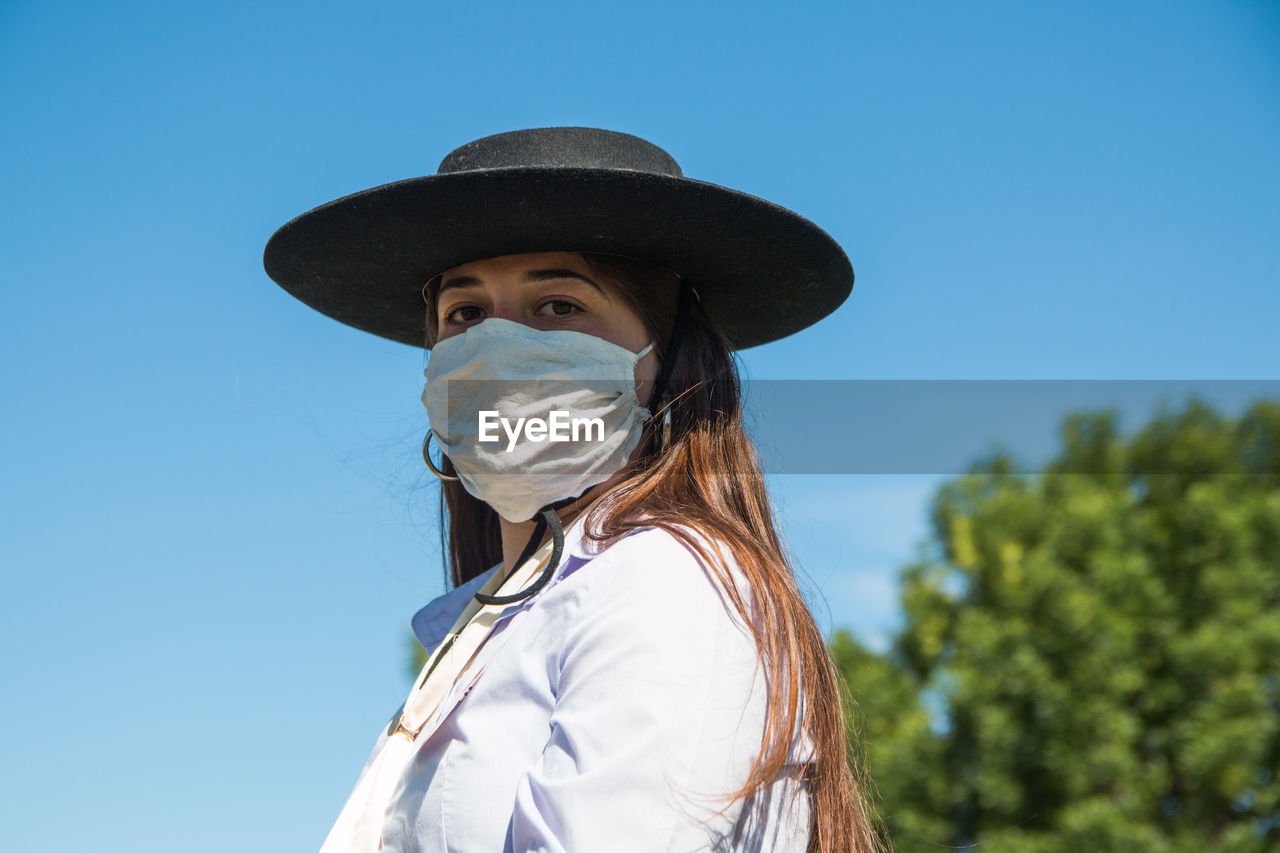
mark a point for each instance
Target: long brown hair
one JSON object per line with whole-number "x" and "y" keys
{"x": 707, "y": 478}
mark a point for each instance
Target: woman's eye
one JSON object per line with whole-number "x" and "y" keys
{"x": 558, "y": 308}
{"x": 463, "y": 314}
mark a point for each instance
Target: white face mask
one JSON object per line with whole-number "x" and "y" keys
{"x": 534, "y": 388}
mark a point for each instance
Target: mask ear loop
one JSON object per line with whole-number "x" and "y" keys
{"x": 547, "y": 517}
{"x": 683, "y": 303}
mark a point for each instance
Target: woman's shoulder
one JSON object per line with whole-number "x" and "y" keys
{"x": 655, "y": 582}
{"x": 663, "y": 561}
{"x": 658, "y": 581}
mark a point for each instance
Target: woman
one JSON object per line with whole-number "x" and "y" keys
{"x": 625, "y": 662}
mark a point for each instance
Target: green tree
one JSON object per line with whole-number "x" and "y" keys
{"x": 1091, "y": 655}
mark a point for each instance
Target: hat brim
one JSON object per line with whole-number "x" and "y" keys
{"x": 762, "y": 271}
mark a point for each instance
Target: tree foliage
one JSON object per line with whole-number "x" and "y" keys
{"x": 1090, "y": 659}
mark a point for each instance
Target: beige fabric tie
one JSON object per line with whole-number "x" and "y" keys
{"x": 359, "y": 826}
{"x": 459, "y": 646}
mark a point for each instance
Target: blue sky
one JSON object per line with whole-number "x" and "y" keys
{"x": 215, "y": 520}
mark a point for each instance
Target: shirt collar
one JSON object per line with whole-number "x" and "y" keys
{"x": 432, "y": 623}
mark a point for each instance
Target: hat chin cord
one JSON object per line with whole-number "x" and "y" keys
{"x": 547, "y": 516}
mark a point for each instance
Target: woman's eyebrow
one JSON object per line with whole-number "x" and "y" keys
{"x": 457, "y": 281}
{"x": 547, "y": 275}
{"x": 465, "y": 281}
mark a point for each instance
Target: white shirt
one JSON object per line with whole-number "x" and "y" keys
{"x": 610, "y": 710}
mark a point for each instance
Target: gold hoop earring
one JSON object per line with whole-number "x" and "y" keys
{"x": 426, "y": 457}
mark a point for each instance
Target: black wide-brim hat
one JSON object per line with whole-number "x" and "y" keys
{"x": 761, "y": 271}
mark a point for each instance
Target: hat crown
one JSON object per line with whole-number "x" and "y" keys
{"x": 563, "y": 148}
